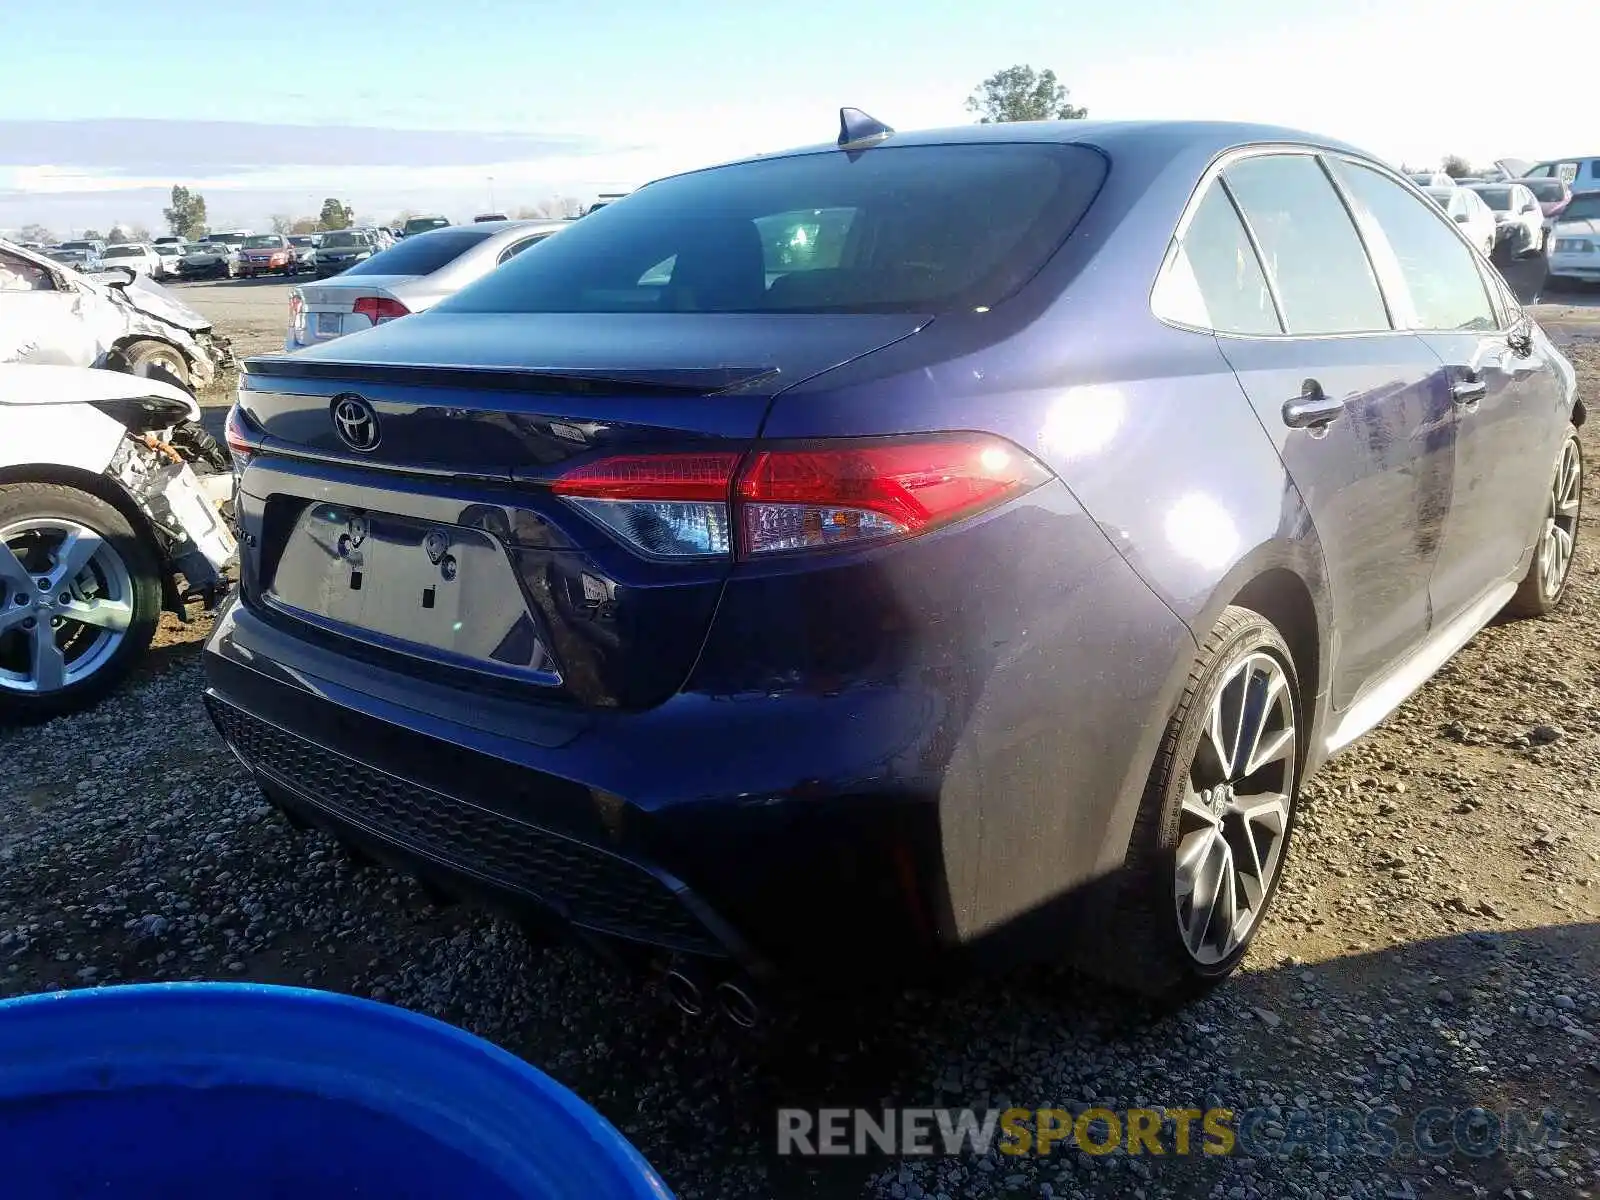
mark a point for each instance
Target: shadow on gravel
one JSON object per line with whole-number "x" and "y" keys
{"x": 1499, "y": 1022}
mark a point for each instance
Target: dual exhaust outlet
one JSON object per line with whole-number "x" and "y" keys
{"x": 689, "y": 998}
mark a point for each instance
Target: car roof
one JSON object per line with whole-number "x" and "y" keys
{"x": 1113, "y": 137}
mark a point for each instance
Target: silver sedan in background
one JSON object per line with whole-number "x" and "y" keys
{"x": 410, "y": 276}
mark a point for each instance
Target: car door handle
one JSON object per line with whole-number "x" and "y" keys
{"x": 1312, "y": 408}
{"x": 1467, "y": 393}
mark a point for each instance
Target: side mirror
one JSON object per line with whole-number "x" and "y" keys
{"x": 1462, "y": 218}
{"x": 118, "y": 277}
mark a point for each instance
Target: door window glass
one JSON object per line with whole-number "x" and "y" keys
{"x": 1440, "y": 272}
{"x": 1312, "y": 250}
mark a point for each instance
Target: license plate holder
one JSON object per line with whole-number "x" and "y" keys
{"x": 329, "y": 323}
{"x": 445, "y": 592}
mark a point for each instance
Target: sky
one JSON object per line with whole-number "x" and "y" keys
{"x": 457, "y": 106}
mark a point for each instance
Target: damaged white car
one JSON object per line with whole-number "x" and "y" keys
{"x": 112, "y": 508}
{"x": 53, "y": 314}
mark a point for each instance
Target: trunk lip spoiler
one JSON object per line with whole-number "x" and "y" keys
{"x": 577, "y": 381}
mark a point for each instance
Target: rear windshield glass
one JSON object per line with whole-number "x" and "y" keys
{"x": 893, "y": 229}
{"x": 123, "y": 252}
{"x": 1498, "y": 199}
{"x": 421, "y": 255}
{"x": 1582, "y": 208}
{"x": 421, "y": 224}
{"x": 76, "y": 246}
{"x": 1546, "y": 189}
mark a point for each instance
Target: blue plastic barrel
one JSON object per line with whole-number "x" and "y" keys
{"x": 247, "y": 1092}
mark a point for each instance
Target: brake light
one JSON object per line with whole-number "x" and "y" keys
{"x": 812, "y": 497}
{"x": 379, "y": 309}
{"x": 297, "y": 302}
{"x": 235, "y": 431}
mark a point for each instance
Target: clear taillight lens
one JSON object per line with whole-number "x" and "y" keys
{"x": 670, "y": 505}
{"x": 813, "y": 497}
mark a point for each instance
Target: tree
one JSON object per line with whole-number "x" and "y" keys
{"x": 281, "y": 222}
{"x": 551, "y": 208}
{"x": 335, "y": 215}
{"x": 1455, "y": 166}
{"x": 305, "y": 225}
{"x": 1022, "y": 94}
{"x": 36, "y": 233}
{"x": 92, "y": 235}
{"x": 119, "y": 234}
{"x": 187, "y": 216}
{"x": 139, "y": 233}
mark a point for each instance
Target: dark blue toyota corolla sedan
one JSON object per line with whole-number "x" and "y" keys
{"x": 954, "y": 545}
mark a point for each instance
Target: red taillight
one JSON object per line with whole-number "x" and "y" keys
{"x": 296, "y": 303}
{"x": 235, "y": 434}
{"x": 811, "y": 497}
{"x": 380, "y": 308}
{"x": 652, "y": 477}
{"x": 805, "y": 498}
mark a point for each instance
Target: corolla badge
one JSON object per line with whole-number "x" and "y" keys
{"x": 356, "y": 422}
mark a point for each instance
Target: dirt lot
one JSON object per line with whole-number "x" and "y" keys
{"x": 1437, "y": 942}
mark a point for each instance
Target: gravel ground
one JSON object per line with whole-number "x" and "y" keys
{"x": 1437, "y": 942}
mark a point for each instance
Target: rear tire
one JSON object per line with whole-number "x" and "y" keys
{"x": 1178, "y": 927}
{"x": 92, "y": 664}
{"x": 1546, "y": 582}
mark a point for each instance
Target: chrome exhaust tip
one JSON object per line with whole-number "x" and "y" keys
{"x": 684, "y": 993}
{"x": 738, "y": 1005}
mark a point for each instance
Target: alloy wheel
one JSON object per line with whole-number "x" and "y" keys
{"x": 66, "y": 602}
{"x": 1561, "y": 523}
{"x": 1234, "y": 819}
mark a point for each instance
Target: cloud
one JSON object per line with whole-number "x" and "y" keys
{"x": 218, "y": 149}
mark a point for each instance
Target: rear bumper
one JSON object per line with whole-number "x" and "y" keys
{"x": 518, "y": 808}
{"x": 951, "y": 761}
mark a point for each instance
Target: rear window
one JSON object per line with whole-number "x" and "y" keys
{"x": 893, "y": 229}
{"x": 1498, "y": 199}
{"x": 123, "y": 252}
{"x": 422, "y": 255}
{"x": 423, "y": 224}
{"x": 1548, "y": 190}
{"x": 1582, "y": 208}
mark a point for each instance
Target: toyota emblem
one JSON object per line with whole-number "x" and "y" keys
{"x": 356, "y": 423}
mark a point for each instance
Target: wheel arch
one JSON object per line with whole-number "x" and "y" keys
{"x": 117, "y": 360}
{"x": 113, "y": 494}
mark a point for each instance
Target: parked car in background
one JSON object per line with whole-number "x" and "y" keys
{"x": 1552, "y": 195}
{"x": 1575, "y": 241}
{"x": 410, "y": 277}
{"x": 1519, "y": 222}
{"x": 266, "y": 254}
{"x": 305, "y": 248}
{"x": 100, "y": 529}
{"x": 340, "y": 249}
{"x": 960, "y": 541}
{"x": 81, "y": 256}
{"x": 136, "y": 256}
{"x": 54, "y": 316}
{"x": 168, "y": 240}
{"x": 216, "y": 259}
{"x": 1580, "y": 172}
{"x": 417, "y": 225}
{"x": 169, "y": 256}
{"x": 1466, "y": 208}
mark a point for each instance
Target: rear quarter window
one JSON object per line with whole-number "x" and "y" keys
{"x": 893, "y": 229}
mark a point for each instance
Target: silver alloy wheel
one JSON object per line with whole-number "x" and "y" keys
{"x": 1561, "y": 523}
{"x": 66, "y": 601}
{"x": 1235, "y": 813}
